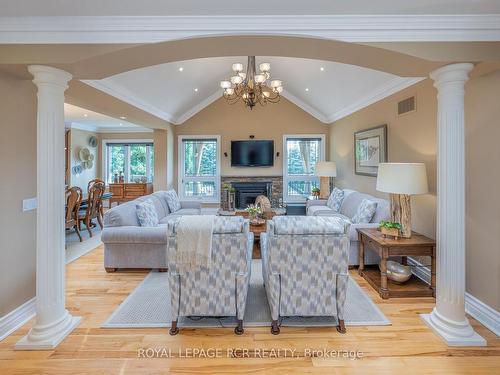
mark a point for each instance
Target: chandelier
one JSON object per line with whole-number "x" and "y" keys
{"x": 252, "y": 87}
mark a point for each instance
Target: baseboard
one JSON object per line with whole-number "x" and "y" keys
{"x": 16, "y": 318}
{"x": 484, "y": 314}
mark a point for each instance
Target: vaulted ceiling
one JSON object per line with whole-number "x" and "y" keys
{"x": 327, "y": 90}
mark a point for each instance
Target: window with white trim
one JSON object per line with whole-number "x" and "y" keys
{"x": 199, "y": 168}
{"x": 132, "y": 160}
{"x": 301, "y": 153}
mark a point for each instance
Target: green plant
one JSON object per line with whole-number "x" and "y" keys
{"x": 253, "y": 210}
{"x": 390, "y": 225}
{"x": 315, "y": 190}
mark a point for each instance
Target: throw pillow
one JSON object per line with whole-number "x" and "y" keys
{"x": 335, "y": 199}
{"x": 146, "y": 213}
{"x": 365, "y": 212}
{"x": 174, "y": 204}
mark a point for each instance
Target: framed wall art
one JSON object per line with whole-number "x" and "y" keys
{"x": 370, "y": 149}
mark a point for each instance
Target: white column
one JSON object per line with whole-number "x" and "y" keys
{"x": 53, "y": 322}
{"x": 448, "y": 317}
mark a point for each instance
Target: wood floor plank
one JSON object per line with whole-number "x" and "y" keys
{"x": 407, "y": 346}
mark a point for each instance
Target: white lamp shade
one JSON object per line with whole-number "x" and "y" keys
{"x": 259, "y": 78}
{"x": 236, "y": 80}
{"x": 264, "y": 67}
{"x": 237, "y": 67}
{"x": 225, "y": 84}
{"x": 402, "y": 178}
{"x": 326, "y": 169}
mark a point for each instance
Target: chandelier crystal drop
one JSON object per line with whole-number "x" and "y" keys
{"x": 252, "y": 87}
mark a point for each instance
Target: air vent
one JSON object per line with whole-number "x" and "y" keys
{"x": 406, "y": 106}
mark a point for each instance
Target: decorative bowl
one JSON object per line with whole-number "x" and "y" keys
{"x": 398, "y": 272}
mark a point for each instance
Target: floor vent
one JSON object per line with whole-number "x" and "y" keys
{"x": 406, "y": 106}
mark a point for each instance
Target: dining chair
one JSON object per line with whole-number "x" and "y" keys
{"x": 89, "y": 185}
{"x": 73, "y": 201}
{"x": 94, "y": 208}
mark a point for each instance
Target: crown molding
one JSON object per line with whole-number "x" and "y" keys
{"x": 306, "y": 107}
{"x": 394, "y": 85}
{"x": 127, "y": 97}
{"x": 391, "y": 87}
{"x": 84, "y": 127}
{"x": 150, "y": 29}
{"x": 102, "y": 129}
{"x": 198, "y": 107}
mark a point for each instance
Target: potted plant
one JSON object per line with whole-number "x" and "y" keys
{"x": 390, "y": 228}
{"x": 315, "y": 191}
{"x": 254, "y": 213}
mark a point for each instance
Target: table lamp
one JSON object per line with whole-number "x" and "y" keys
{"x": 325, "y": 170}
{"x": 402, "y": 180}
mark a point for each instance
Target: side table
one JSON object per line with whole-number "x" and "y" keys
{"x": 417, "y": 245}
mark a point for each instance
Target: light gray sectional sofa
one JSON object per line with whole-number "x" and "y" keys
{"x": 350, "y": 203}
{"x": 128, "y": 245}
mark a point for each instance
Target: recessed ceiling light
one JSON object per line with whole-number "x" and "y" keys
{"x": 322, "y": 69}
{"x": 85, "y": 115}
{"x": 121, "y": 124}
{"x": 181, "y": 69}
{"x": 307, "y": 89}
{"x": 123, "y": 117}
{"x": 196, "y": 89}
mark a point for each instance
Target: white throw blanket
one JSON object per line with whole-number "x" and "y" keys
{"x": 194, "y": 241}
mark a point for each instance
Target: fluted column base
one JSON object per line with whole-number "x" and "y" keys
{"x": 453, "y": 333}
{"x": 49, "y": 336}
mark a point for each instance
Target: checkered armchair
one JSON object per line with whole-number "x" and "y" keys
{"x": 305, "y": 267}
{"x": 221, "y": 289}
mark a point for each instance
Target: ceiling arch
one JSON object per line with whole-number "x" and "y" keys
{"x": 115, "y": 62}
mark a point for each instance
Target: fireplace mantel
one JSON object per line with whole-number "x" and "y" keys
{"x": 276, "y": 183}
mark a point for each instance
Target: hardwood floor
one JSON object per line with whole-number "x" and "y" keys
{"x": 406, "y": 347}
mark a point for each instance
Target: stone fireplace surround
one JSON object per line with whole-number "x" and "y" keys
{"x": 250, "y": 185}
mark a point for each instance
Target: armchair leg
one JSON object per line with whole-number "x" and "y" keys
{"x": 110, "y": 269}
{"x": 275, "y": 329}
{"x": 174, "y": 330}
{"x": 239, "y": 328}
{"x": 341, "y": 326}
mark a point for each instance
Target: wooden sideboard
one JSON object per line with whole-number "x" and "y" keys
{"x": 124, "y": 192}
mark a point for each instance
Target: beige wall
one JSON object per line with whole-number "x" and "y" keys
{"x": 163, "y": 153}
{"x": 482, "y": 158}
{"x": 412, "y": 138}
{"x": 79, "y": 140}
{"x": 235, "y": 122}
{"x": 18, "y": 171}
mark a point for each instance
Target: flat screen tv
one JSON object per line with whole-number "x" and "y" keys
{"x": 252, "y": 153}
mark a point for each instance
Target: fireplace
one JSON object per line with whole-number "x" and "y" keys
{"x": 246, "y": 192}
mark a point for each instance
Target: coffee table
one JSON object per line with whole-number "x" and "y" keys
{"x": 257, "y": 230}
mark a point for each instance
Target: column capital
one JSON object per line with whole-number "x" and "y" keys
{"x": 451, "y": 73}
{"x": 48, "y": 75}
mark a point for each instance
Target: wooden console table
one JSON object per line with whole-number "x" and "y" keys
{"x": 417, "y": 245}
{"x": 127, "y": 191}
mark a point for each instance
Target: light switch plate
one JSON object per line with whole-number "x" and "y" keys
{"x": 29, "y": 204}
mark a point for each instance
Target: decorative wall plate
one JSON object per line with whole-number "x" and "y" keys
{"x": 84, "y": 154}
{"x": 93, "y": 141}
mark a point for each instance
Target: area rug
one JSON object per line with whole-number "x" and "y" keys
{"x": 149, "y": 306}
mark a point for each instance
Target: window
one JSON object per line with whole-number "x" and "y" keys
{"x": 133, "y": 159}
{"x": 199, "y": 168}
{"x": 301, "y": 153}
